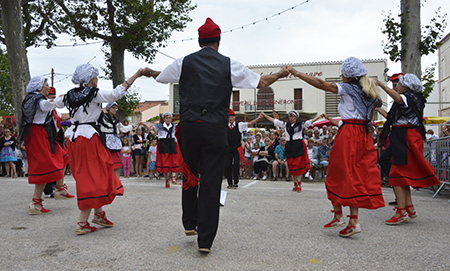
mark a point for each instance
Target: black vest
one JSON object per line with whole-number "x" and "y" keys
{"x": 234, "y": 137}
{"x": 205, "y": 87}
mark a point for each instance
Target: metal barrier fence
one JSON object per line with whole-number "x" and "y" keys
{"x": 437, "y": 153}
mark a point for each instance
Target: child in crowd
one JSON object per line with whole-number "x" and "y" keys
{"x": 126, "y": 153}
{"x": 151, "y": 162}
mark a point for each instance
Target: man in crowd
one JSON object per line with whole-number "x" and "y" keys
{"x": 431, "y": 135}
{"x": 280, "y": 159}
{"x": 206, "y": 79}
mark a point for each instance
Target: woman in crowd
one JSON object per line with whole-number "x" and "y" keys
{"x": 296, "y": 152}
{"x": 266, "y": 155}
{"x": 90, "y": 162}
{"x": 109, "y": 126}
{"x": 353, "y": 177}
{"x": 324, "y": 154}
{"x": 8, "y": 153}
{"x": 46, "y": 158}
{"x": 139, "y": 151}
{"x": 167, "y": 158}
{"x": 409, "y": 167}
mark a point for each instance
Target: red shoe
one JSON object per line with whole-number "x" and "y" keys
{"x": 167, "y": 184}
{"x": 295, "y": 188}
{"x": 36, "y": 207}
{"x": 61, "y": 192}
{"x": 100, "y": 219}
{"x": 350, "y": 229}
{"x": 399, "y": 219}
{"x": 413, "y": 214}
{"x": 84, "y": 227}
{"x": 335, "y": 222}
{"x": 174, "y": 182}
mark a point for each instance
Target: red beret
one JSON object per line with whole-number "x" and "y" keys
{"x": 52, "y": 91}
{"x": 232, "y": 113}
{"x": 395, "y": 76}
{"x": 209, "y": 32}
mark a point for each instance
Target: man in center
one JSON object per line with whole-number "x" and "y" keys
{"x": 206, "y": 80}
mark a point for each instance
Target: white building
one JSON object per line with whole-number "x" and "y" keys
{"x": 444, "y": 76}
{"x": 292, "y": 93}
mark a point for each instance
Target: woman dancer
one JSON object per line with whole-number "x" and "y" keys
{"x": 109, "y": 126}
{"x": 353, "y": 177}
{"x": 167, "y": 158}
{"x": 8, "y": 153}
{"x": 46, "y": 158}
{"x": 409, "y": 167}
{"x": 296, "y": 152}
{"x": 91, "y": 163}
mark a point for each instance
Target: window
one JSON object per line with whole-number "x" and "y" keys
{"x": 298, "y": 101}
{"x": 332, "y": 100}
{"x": 236, "y": 100}
{"x": 265, "y": 99}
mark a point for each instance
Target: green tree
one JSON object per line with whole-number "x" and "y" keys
{"x": 6, "y": 97}
{"x": 407, "y": 41}
{"x": 129, "y": 103}
{"x": 138, "y": 26}
{"x": 24, "y": 23}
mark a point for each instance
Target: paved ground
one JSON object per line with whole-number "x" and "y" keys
{"x": 263, "y": 226}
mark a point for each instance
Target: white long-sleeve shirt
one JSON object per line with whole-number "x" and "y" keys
{"x": 94, "y": 110}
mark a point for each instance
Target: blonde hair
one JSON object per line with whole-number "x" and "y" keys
{"x": 368, "y": 86}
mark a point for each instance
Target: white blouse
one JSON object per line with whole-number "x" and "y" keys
{"x": 162, "y": 133}
{"x": 45, "y": 106}
{"x": 297, "y": 135}
{"x": 404, "y": 120}
{"x": 94, "y": 110}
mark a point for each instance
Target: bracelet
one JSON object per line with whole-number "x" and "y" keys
{"x": 384, "y": 87}
{"x": 127, "y": 83}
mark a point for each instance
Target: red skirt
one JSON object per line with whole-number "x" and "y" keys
{"x": 300, "y": 164}
{"x": 353, "y": 177}
{"x": 43, "y": 165}
{"x": 418, "y": 172}
{"x": 168, "y": 162}
{"x": 92, "y": 167}
{"x": 117, "y": 159}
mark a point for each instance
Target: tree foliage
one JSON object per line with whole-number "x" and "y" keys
{"x": 38, "y": 24}
{"x": 431, "y": 35}
{"x": 129, "y": 103}
{"x": 6, "y": 96}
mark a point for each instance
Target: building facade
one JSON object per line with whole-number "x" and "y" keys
{"x": 444, "y": 76}
{"x": 291, "y": 93}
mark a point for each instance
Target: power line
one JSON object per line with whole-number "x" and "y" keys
{"x": 251, "y": 24}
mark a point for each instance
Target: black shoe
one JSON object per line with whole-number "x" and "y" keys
{"x": 393, "y": 202}
{"x": 288, "y": 180}
{"x": 230, "y": 186}
{"x": 274, "y": 179}
{"x": 146, "y": 176}
{"x": 190, "y": 232}
{"x": 235, "y": 186}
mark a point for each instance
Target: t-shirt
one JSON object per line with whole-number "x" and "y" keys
{"x": 126, "y": 148}
{"x": 152, "y": 151}
{"x": 281, "y": 153}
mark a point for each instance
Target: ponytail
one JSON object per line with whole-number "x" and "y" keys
{"x": 368, "y": 86}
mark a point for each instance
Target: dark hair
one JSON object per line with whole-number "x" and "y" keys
{"x": 203, "y": 44}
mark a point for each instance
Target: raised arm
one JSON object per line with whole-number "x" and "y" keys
{"x": 269, "y": 118}
{"x": 267, "y": 80}
{"x": 394, "y": 94}
{"x": 314, "y": 81}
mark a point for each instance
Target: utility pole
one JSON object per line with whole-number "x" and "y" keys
{"x": 53, "y": 75}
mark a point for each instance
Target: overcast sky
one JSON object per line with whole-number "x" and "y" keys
{"x": 319, "y": 30}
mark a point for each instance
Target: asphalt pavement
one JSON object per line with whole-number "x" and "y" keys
{"x": 263, "y": 226}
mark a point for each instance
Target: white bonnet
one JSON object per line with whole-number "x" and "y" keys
{"x": 411, "y": 81}
{"x": 352, "y": 67}
{"x": 84, "y": 73}
{"x": 167, "y": 114}
{"x": 293, "y": 112}
{"x": 36, "y": 83}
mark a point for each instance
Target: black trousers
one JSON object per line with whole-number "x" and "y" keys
{"x": 385, "y": 160}
{"x": 232, "y": 168}
{"x": 204, "y": 147}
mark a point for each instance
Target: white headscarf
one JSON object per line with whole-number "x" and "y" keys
{"x": 36, "y": 83}
{"x": 411, "y": 81}
{"x": 352, "y": 67}
{"x": 294, "y": 112}
{"x": 167, "y": 114}
{"x": 109, "y": 105}
{"x": 84, "y": 73}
